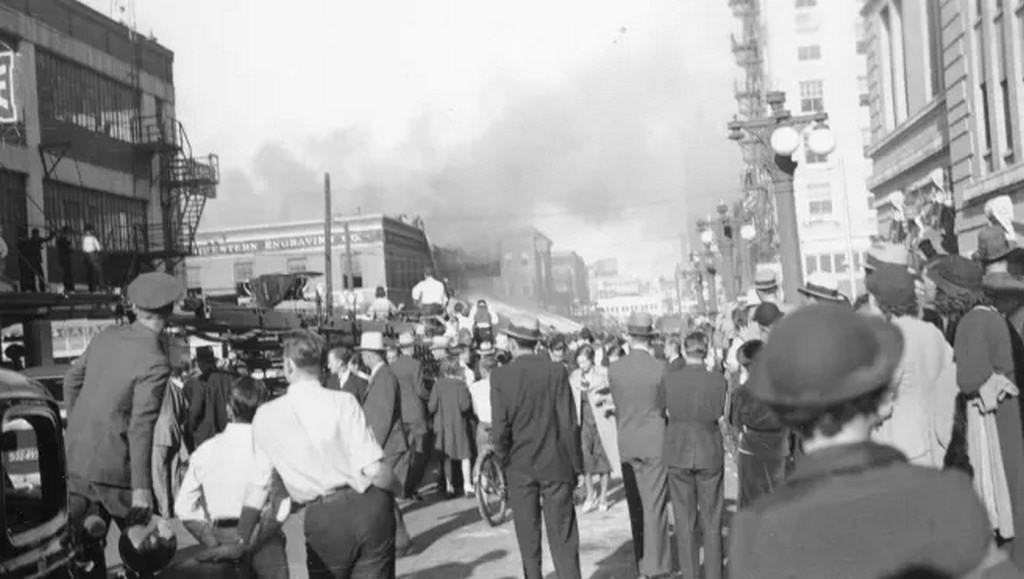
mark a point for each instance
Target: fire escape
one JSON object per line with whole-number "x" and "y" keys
{"x": 748, "y": 50}
{"x": 186, "y": 182}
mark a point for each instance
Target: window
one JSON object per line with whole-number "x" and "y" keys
{"x": 856, "y": 261}
{"x": 243, "y": 271}
{"x": 934, "y": 30}
{"x": 356, "y": 273}
{"x": 825, "y": 262}
{"x": 34, "y": 490}
{"x": 871, "y": 201}
{"x": 862, "y": 37}
{"x": 119, "y": 222}
{"x": 812, "y": 52}
{"x": 1004, "y": 92}
{"x": 865, "y": 137}
{"x": 820, "y": 208}
{"x": 862, "y": 89}
{"x": 983, "y": 93}
{"x": 296, "y": 264}
{"x": 839, "y": 261}
{"x": 811, "y": 264}
{"x": 193, "y": 277}
{"x": 806, "y": 3}
{"x": 812, "y": 96}
{"x": 71, "y": 93}
{"x": 806, "y": 21}
{"x": 894, "y": 86}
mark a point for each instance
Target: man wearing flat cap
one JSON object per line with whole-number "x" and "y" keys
{"x": 114, "y": 393}
{"x": 852, "y": 508}
{"x": 635, "y": 381}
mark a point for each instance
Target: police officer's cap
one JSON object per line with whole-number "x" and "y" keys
{"x": 822, "y": 355}
{"x": 153, "y": 291}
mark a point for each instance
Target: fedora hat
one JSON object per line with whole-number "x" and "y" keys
{"x": 372, "y": 341}
{"x": 406, "y": 340}
{"x": 822, "y": 287}
{"x": 527, "y": 329}
{"x": 993, "y": 245}
{"x": 640, "y": 324}
{"x": 824, "y": 354}
{"x": 885, "y": 252}
{"x": 766, "y": 281}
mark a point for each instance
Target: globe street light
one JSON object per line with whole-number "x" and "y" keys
{"x": 748, "y": 232}
{"x": 780, "y": 134}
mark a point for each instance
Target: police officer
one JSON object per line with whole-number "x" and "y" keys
{"x": 852, "y": 508}
{"x": 113, "y": 394}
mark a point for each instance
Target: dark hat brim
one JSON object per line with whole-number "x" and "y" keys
{"x": 641, "y": 332}
{"x": 522, "y": 334}
{"x": 822, "y": 293}
{"x": 1006, "y": 254}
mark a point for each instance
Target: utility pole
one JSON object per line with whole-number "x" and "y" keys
{"x": 348, "y": 264}
{"x": 328, "y": 274}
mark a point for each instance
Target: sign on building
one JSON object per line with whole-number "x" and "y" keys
{"x": 8, "y": 112}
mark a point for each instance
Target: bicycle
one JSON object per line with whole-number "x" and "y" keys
{"x": 491, "y": 489}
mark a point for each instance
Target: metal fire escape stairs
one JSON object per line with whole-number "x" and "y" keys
{"x": 186, "y": 182}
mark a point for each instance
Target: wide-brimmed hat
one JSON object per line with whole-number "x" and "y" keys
{"x": 640, "y": 324}
{"x": 406, "y": 340}
{"x": 993, "y": 245}
{"x": 885, "y": 252}
{"x": 766, "y": 281}
{"x": 524, "y": 328}
{"x": 822, "y": 287}
{"x": 957, "y": 275}
{"x": 824, "y": 354}
{"x": 892, "y": 286}
{"x": 372, "y": 342}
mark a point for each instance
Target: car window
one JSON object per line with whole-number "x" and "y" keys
{"x": 33, "y": 469}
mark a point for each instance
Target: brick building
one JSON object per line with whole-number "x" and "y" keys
{"x": 526, "y": 267}
{"x": 570, "y": 284}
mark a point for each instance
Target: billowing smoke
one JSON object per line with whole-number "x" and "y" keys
{"x": 629, "y": 143}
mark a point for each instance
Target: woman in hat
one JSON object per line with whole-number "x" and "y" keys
{"x": 917, "y": 417}
{"x": 852, "y": 508}
{"x": 451, "y": 406}
{"x": 598, "y": 435}
{"x": 987, "y": 407}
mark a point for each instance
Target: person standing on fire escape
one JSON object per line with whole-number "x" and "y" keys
{"x": 93, "y": 259}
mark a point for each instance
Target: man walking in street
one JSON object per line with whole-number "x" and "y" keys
{"x": 410, "y": 382}
{"x": 535, "y": 435}
{"x": 695, "y": 458}
{"x": 640, "y": 410}
{"x": 114, "y": 393}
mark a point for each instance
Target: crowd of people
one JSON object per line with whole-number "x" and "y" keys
{"x": 28, "y": 248}
{"x": 878, "y": 438}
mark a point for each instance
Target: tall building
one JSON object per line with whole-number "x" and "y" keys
{"x": 813, "y": 51}
{"x": 89, "y": 137}
{"x": 569, "y": 277}
{"x": 946, "y": 96}
{"x": 526, "y": 266}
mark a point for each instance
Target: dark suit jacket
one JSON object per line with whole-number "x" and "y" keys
{"x": 208, "y": 405}
{"x": 533, "y": 419}
{"x": 114, "y": 393}
{"x": 354, "y": 385}
{"x": 383, "y": 409}
{"x": 635, "y": 382}
{"x": 694, "y": 402}
{"x": 410, "y": 382}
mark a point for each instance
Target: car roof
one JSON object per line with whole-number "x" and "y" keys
{"x": 16, "y": 386}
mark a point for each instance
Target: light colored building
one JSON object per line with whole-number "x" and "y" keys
{"x": 620, "y": 307}
{"x": 526, "y": 267}
{"x": 814, "y": 52}
{"x": 569, "y": 277}
{"x": 385, "y": 251}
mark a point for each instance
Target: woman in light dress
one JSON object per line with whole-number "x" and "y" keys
{"x": 595, "y": 415}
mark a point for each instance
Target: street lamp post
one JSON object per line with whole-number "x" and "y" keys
{"x": 707, "y": 238}
{"x": 781, "y": 134}
{"x": 727, "y": 248}
{"x": 748, "y": 256}
{"x": 698, "y": 274}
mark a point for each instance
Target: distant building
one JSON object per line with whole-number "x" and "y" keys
{"x": 386, "y": 252}
{"x": 569, "y": 273}
{"x": 620, "y": 307}
{"x": 605, "y": 267}
{"x": 526, "y": 267}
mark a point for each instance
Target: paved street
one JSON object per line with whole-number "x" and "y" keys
{"x": 452, "y": 542}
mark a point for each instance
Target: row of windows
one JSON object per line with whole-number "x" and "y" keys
{"x": 831, "y": 263}
{"x": 651, "y": 308}
{"x": 119, "y": 222}
{"x": 13, "y": 217}
{"x": 71, "y": 93}
{"x": 989, "y": 21}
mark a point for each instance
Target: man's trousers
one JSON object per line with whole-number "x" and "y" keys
{"x": 646, "y": 484}
{"x": 528, "y": 497}
{"x": 351, "y": 535}
{"x": 697, "y": 494}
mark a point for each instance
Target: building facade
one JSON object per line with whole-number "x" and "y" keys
{"x": 814, "y": 52}
{"x": 619, "y": 308}
{"x": 947, "y": 97}
{"x": 526, "y": 267}
{"x": 385, "y": 252}
{"x": 570, "y": 283}
{"x": 89, "y": 137}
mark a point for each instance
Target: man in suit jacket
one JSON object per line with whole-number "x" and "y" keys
{"x": 114, "y": 393}
{"x": 534, "y": 432}
{"x": 695, "y": 458}
{"x": 383, "y": 409}
{"x": 208, "y": 397}
{"x": 341, "y": 362}
{"x": 635, "y": 382}
{"x": 410, "y": 382}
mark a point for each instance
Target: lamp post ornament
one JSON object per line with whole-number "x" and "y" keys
{"x": 780, "y": 133}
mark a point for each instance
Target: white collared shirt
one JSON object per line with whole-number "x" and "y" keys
{"x": 218, "y": 475}
{"x": 316, "y": 440}
{"x": 429, "y": 292}
{"x": 90, "y": 244}
{"x": 480, "y": 393}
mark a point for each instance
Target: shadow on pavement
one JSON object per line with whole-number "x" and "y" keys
{"x": 456, "y": 570}
{"x": 617, "y": 565}
{"x": 444, "y": 526}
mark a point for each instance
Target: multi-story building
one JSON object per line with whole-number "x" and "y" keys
{"x": 947, "y": 101}
{"x": 384, "y": 251}
{"x": 89, "y": 137}
{"x": 619, "y": 308}
{"x": 569, "y": 278}
{"x": 814, "y": 52}
{"x": 526, "y": 267}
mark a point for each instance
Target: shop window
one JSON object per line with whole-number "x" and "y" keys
{"x": 296, "y": 264}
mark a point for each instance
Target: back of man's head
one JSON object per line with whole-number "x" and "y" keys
{"x": 305, "y": 349}
{"x": 246, "y": 396}
{"x": 696, "y": 345}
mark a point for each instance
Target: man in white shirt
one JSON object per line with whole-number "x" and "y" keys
{"x": 91, "y": 248}
{"x": 215, "y": 484}
{"x": 317, "y": 441}
{"x": 430, "y": 294}
{"x": 480, "y": 393}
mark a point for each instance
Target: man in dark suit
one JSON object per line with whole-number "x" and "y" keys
{"x": 534, "y": 433}
{"x": 695, "y": 458}
{"x": 635, "y": 382}
{"x": 341, "y": 362}
{"x": 208, "y": 397}
{"x": 383, "y": 409}
{"x": 410, "y": 382}
{"x": 113, "y": 393}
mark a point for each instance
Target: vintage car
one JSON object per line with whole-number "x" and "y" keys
{"x": 36, "y": 538}
{"x": 51, "y": 377}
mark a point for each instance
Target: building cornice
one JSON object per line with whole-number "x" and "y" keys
{"x": 993, "y": 185}
{"x": 894, "y": 137}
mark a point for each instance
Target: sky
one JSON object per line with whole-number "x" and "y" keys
{"x": 600, "y": 122}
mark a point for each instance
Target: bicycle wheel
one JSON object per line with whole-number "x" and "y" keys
{"x": 491, "y": 490}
